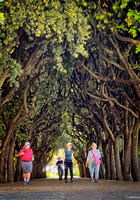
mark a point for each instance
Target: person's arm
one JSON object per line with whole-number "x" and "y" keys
{"x": 64, "y": 154}
{"x": 87, "y": 160}
{"x": 73, "y": 159}
{"x": 21, "y": 153}
{"x": 32, "y": 155}
{"x": 99, "y": 154}
{"x": 87, "y": 163}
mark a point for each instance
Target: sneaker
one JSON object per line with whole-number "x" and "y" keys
{"x": 96, "y": 181}
{"x": 65, "y": 181}
{"x": 29, "y": 183}
{"x": 24, "y": 183}
{"x": 91, "y": 181}
{"x": 71, "y": 180}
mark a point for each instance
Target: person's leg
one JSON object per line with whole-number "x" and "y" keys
{"x": 91, "y": 173}
{"x": 28, "y": 176}
{"x": 29, "y": 170}
{"x": 97, "y": 173}
{"x": 24, "y": 176}
{"x": 24, "y": 166}
{"x": 71, "y": 170}
{"x": 59, "y": 173}
{"x": 66, "y": 171}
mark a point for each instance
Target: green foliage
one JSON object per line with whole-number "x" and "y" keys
{"x": 1, "y": 16}
{"x": 10, "y": 108}
{"x": 118, "y": 16}
{"x": 15, "y": 71}
{"x": 46, "y": 20}
{"x": 21, "y": 131}
{"x": 2, "y": 128}
{"x": 137, "y": 48}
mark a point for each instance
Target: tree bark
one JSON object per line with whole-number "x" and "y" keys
{"x": 87, "y": 173}
{"x": 81, "y": 170}
{"x": 10, "y": 170}
{"x": 106, "y": 161}
{"x": 134, "y": 152}
{"x": 127, "y": 157}
{"x": 102, "y": 173}
{"x": 18, "y": 174}
{"x": 15, "y": 121}
{"x": 112, "y": 165}
{"x": 117, "y": 159}
{"x": 3, "y": 157}
{"x": 33, "y": 175}
{"x": 4, "y": 77}
{"x": 39, "y": 170}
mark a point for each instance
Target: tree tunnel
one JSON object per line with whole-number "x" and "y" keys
{"x": 69, "y": 71}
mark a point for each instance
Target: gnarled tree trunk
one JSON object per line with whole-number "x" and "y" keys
{"x": 127, "y": 157}
{"x": 112, "y": 165}
{"x": 117, "y": 159}
{"x": 106, "y": 161}
{"x": 10, "y": 169}
{"x": 81, "y": 169}
{"x": 134, "y": 152}
{"x": 18, "y": 173}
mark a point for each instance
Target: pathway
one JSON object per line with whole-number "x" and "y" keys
{"x": 81, "y": 189}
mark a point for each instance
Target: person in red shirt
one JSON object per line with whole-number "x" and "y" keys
{"x": 26, "y": 156}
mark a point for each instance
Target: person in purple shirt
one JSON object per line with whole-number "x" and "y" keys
{"x": 91, "y": 162}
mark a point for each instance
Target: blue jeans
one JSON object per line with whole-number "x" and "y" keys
{"x": 96, "y": 170}
{"x": 60, "y": 172}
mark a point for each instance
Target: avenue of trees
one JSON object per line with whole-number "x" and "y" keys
{"x": 70, "y": 69}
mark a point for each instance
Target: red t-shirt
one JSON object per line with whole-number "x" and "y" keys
{"x": 28, "y": 154}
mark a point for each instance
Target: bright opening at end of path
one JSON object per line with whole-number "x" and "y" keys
{"x": 51, "y": 168}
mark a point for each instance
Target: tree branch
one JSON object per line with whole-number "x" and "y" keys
{"x": 96, "y": 97}
{"x": 8, "y": 97}
{"x": 134, "y": 77}
{"x": 119, "y": 104}
{"x": 25, "y": 97}
{"x": 4, "y": 77}
{"x": 106, "y": 124}
{"x": 113, "y": 63}
{"x": 126, "y": 39}
{"x": 95, "y": 76}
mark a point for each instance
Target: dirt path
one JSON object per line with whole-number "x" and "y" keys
{"x": 55, "y": 190}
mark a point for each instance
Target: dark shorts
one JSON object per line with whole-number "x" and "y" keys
{"x": 27, "y": 167}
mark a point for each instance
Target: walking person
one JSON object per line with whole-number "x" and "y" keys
{"x": 67, "y": 161}
{"x": 93, "y": 159}
{"x": 59, "y": 164}
{"x": 26, "y": 156}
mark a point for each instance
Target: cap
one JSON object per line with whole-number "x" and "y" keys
{"x": 27, "y": 143}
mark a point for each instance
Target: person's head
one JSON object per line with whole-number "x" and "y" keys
{"x": 94, "y": 145}
{"x": 69, "y": 145}
{"x": 59, "y": 158}
{"x": 27, "y": 145}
